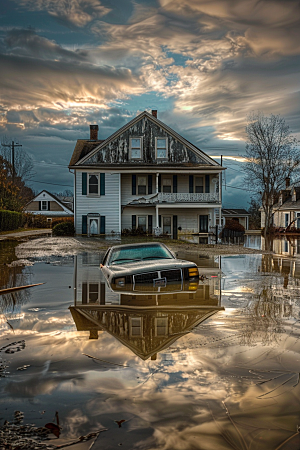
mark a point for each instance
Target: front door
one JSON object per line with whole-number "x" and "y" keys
{"x": 93, "y": 226}
{"x": 203, "y": 223}
{"x": 167, "y": 227}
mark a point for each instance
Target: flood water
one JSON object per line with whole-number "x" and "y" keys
{"x": 214, "y": 368}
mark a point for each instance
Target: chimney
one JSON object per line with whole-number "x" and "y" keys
{"x": 287, "y": 182}
{"x": 154, "y": 113}
{"x": 94, "y": 132}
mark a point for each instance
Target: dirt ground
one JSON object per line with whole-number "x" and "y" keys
{"x": 64, "y": 246}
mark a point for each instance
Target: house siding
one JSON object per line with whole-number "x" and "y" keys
{"x": 107, "y": 205}
{"x": 54, "y": 206}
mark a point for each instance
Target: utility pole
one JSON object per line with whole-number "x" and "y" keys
{"x": 12, "y": 146}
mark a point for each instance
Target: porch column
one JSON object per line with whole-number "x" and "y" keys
{"x": 220, "y": 218}
{"x": 156, "y": 206}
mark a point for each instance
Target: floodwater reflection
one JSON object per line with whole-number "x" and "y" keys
{"x": 214, "y": 368}
{"x": 144, "y": 323}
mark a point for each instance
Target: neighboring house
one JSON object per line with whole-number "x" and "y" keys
{"x": 49, "y": 205}
{"x": 239, "y": 215}
{"x": 144, "y": 176}
{"x": 286, "y": 210}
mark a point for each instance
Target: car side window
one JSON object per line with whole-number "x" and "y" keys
{"x": 105, "y": 257}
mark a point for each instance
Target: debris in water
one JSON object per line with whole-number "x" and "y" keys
{"x": 103, "y": 360}
{"x": 23, "y": 367}
{"x": 13, "y": 289}
{"x": 119, "y": 422}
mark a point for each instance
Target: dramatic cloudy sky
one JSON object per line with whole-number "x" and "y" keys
{"x": 203, "y": 64}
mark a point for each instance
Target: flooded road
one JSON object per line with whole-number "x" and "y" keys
{"x": 213, "y": 368}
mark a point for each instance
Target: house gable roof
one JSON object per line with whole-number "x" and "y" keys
{"x": 55, "y": 198}
{"x": 235, "y": 212}
{"x": 115, "y": 149}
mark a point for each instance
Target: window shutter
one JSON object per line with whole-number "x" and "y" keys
{"x": 207, "y": 184}
{"x": 84, "y": 293}
{"x": 150, "y": 224}
{"x": 175, "y": 233}
{"x": 102, "y": 183}
{"x": 84, "y": 224}
{"x": 175, "y": 184}
{"x": 159, "y": 183}
{"x": 159, "y": 220}
{"x": 150, "y": 184}
{"x": 133, "y": 222}
{"x": 84, "y": 183}
{"x": 102, "y": 224}
{"x": 102, "y": 293}
{"x": 40, "y": 206}
{"x": 133, "y": 184}
{"x": 191, "y": 184}
{"x": 49, "y": 206}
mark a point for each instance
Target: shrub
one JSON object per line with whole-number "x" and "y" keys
{"x": 10, "y": 220}
{"x": 234, "y": 225}
{"x": 64, "y": 229}
{"x": 133, "y": 232}
{"x": 61, "y": 220}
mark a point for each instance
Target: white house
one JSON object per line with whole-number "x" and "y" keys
{"x": 49, "y": 205}
{"x": 144, "y": 176}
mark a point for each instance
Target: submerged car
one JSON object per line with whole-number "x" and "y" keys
{"x": 149, "y": 267}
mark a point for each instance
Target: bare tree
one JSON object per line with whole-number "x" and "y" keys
{"x": 21, "y": 171}
{"x": 23, "y": 163}
{"x": 272, "y": 157}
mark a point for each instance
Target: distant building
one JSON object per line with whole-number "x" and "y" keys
{"x": 50, "y": 206}
{"x": 239, "y": 215}
{"x": 144, "y": 176}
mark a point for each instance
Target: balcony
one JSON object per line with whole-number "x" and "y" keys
{"x": 188, "y": 198}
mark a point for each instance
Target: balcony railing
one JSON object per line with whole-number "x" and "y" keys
{"x": 188, "y": 198}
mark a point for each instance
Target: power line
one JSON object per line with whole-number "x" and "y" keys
{"x": 53, "y": 184}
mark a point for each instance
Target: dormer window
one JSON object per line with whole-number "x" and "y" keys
{"x": 136, "y": 148}
{"x": 294, "y": 196}
{"x": 161, "y": 148}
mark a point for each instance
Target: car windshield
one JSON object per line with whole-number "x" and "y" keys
{"x": 139, "y": 253}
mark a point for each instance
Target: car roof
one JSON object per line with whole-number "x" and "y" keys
{"x": 144, "y": 244}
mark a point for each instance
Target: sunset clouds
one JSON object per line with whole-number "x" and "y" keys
{"x": 68, "y": 63}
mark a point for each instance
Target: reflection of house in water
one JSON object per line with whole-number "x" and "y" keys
{"x": 146, "y": 324}
{"x": 284, "y": 288}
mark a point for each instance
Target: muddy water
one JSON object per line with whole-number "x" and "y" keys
{"x": 214, "y": 368}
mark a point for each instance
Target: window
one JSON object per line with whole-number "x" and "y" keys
{"x": 142, "y": 223}
{"x": 142, "y": 185}
{"x": 135, "y": 326}
{"x": 136, "y": 148}
{"x": 161, "y": 148}
{"x": 44, "y": 205}
{"x": 199, "y": 185}
{"x": 93, "y": 294}
{"x": 161, "y": 326}
{"x": 167, "y": 185}
{"x": 93, "y": 183}
{"x": 298, "y": 219}
{"x": 286, "y": 219}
